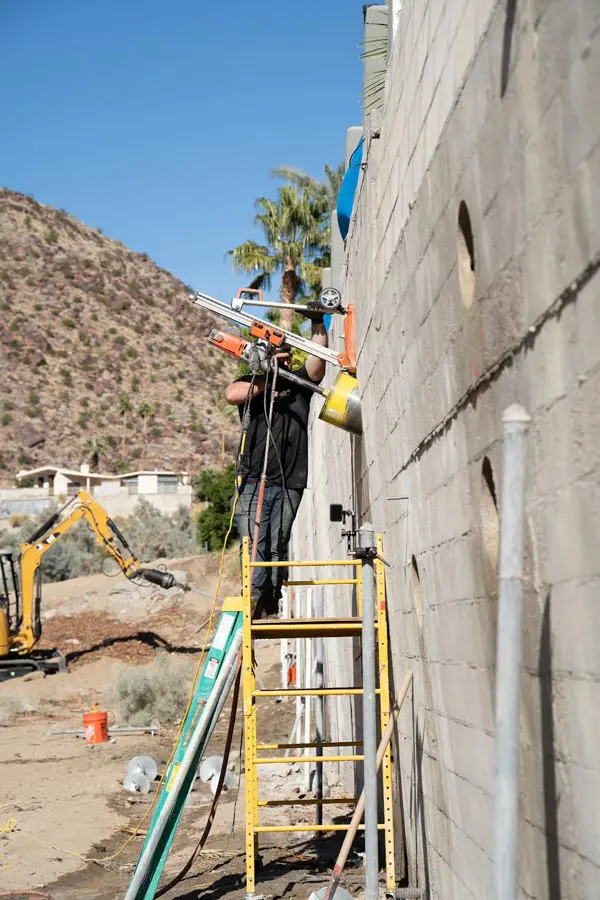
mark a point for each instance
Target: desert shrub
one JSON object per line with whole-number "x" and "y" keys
{"x": 11, "y": 707}
{"x": 18, "y": 519}
{"x": 77, "y": 553}
{"x": 153, "y": 534}
{"x": 216, "y": 488}
{"x": 149, "y": 532}
{"x": 158, "y": 691}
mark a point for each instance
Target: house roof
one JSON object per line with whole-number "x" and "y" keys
{"x": 96, "y": 476}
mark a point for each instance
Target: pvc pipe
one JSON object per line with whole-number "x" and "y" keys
{"x": 284, "y": 643}
{"x": 214, "y": 701}
{"x": 319, "y": 705}
{"x": 516, "y": 423}
{"x": 307, "y": 684}
{"x": 366, "y": 543}
{"x": 298, "y": 601}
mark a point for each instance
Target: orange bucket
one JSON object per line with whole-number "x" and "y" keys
{"x": 95, "y": 725}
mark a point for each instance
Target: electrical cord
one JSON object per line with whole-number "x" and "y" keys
{"x": 136, "y": 830}
{"x": 234, "y": 706}
{"x": 273, "y": 441}
{"x": 213, "y": 809}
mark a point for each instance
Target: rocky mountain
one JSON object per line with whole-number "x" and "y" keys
{"x": 102, "y": 356}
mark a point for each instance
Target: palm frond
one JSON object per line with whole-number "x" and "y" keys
{"x": 252, "y": 257}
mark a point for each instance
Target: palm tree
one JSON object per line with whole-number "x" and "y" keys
{"x": 124, "y": 408}
{"x": 324, "y": 194}
{"x": 325, "y": 191}
{"x": 146, "y": 412}
{"x": 296, "y": 231}
{"x": 94, "y": 446}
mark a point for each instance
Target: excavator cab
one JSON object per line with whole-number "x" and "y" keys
{"x": 10, "y": 600}
{"x": 11, "y": 621}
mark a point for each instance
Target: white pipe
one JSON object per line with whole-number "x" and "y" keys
{"x": 307, "y": 685}
{"x": 319, "y": 704}
{"x": 300, "y": 646}
{"x": 284, "y": 650}
{"x": 367, "y": 545}
{"x": 516, "y": 422}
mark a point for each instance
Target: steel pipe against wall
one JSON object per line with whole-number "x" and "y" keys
{"x": 367, "y": 541}
{"x": 516, "y": 423}
{"x": 319, "y": 703}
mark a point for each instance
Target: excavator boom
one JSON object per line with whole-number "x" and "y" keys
{"x": 20, "y": 621}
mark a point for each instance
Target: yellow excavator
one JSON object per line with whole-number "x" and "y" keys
{"x": 21, "y": 585}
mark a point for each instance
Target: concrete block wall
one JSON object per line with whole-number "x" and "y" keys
{"x": 494, "y": 106}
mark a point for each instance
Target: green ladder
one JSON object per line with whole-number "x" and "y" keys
{"x": 210, "y": 694}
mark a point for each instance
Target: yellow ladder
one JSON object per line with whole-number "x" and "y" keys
{"x": 310, "y": 628}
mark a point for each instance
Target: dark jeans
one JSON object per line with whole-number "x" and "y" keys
{"x": 280, "y": 506}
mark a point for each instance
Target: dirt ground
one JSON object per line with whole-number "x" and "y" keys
{"x": 62, "y": 803}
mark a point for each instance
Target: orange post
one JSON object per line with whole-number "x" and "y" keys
{"x": 347, "y": 359}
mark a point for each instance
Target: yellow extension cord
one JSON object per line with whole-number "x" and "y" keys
{"x": 136, "y": 830}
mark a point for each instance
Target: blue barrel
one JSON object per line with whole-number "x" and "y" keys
{"x": 345, "y": 199}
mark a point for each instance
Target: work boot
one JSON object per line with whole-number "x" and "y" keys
{"x": 265, "y": 608}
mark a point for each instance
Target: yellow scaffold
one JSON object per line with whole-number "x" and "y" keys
{"x": 258, "y": 754}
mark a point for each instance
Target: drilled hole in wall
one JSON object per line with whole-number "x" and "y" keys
{"x": 490, "y": 527}
{"x": 417, "y": 593}
{"x": 466, "y": 255}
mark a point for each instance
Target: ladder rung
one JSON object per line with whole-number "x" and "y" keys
{"x": 311, "y": 746}
{"x": 292, "y": 564}
{"x": 310, "y": 801}
{"x": 282, "y": 760}
{"x": 311, "y": 692}
{"x": 317, "y": 581}
{"x": 290, "y": 628}
{"x": 307, "y": 827}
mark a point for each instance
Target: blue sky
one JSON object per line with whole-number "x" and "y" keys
{"x": 159, "y": 120}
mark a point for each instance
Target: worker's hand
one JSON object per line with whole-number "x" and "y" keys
{"x": 284, "y": 358}
{"x": 315, "y": 315}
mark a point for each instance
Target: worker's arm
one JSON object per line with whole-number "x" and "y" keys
{"x": 237, "y": 392}
{"x": 315, "y": 367}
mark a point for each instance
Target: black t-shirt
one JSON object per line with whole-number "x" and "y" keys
{"x": 289, "y": 429}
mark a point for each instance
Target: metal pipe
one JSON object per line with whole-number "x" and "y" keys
{"x": 516, "y": 423}
{"x": 334, "y": 880}
{"x": 298, "y": 599}
{"x": 215, "y": 700}
{"x": 284, "y": 644}
{"x": 319, "y": 704}
{"x": 366, "y": 546}
{"x": 308, "y": 685}
{"x": 148, "y": 729}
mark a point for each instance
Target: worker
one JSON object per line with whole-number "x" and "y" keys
{"x": 287, "y": 466}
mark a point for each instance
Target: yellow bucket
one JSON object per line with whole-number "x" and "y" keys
{"x": 342, "y": 404}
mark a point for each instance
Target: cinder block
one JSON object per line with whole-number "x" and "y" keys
{"x": 573, "y": 511}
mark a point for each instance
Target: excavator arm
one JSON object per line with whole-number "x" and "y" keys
{"x": 81, "y": 506}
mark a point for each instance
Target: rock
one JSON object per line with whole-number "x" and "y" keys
{"x": 37, "y": 359}
{"x": 30, "y": 436}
